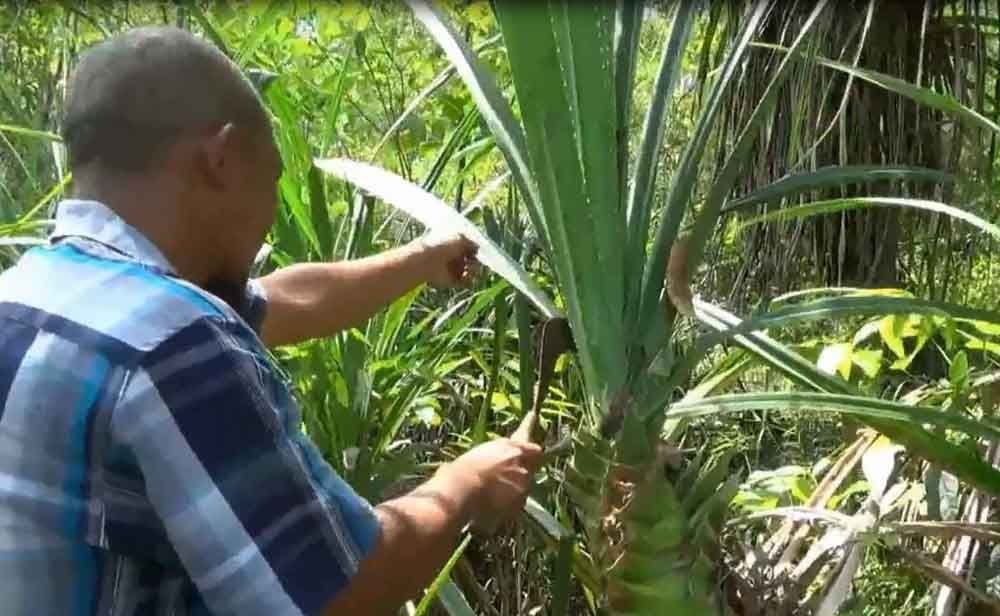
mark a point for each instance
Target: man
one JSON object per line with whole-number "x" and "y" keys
{"x": 151, "y": 460}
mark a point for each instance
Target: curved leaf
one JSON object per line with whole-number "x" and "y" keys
{"x": 848, "y": 306}
{"x": 840, "y": 205}
{"x": 437, "y": 216}
{"x": 961, "y": 462}
{"x": 685, "y": 177}
{"x": 489, "y": 100}
{"x": 924, "y": 96}
{"x": 860, "y": 406}
{"x": 837, "y": 176}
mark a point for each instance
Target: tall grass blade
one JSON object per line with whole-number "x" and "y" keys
{"x": 29, "y": 217}
{"x": 708, "y": 217}
{"x": 332, "y": 114}
{"x": 29, "y": 132}
{"x": 562, "y": 569}
{"x": 443, "y": 577}
{"x": 447, "y": 151}
{"x": 320, "y": 213}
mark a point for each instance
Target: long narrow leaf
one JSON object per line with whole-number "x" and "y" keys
{"x": 559, "y": 56}
{"x": 491, "y": 103}
{"x": 29, "y": 132}
{"x": 628, "y": 28}
{"x": 685, "y": 178}
{"x": 863, "y": 304}
{"x": 443, "y": 577}
{"x": 860, "y": 406}
{"x": 562, "y": 569}
{"x": 924, "y": 96}
{"x": 828, "y": 177}
{"x": 708, "y": 217}
{"x": 437, "y": 216}
{"x": 959, "y": 461}
{"x": 30, "y": 216}
{"x": 840, "y": 205}
{"x": 647, "y": 161}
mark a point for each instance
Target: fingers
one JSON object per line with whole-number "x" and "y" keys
{"x": 469, "y": 248}
{"x": 532, "y": 456}
{"x": 526, "y": 430}
{"x": 509, "y": 496}
{"x": 470, "y": 266}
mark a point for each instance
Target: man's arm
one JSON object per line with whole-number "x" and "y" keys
{"x": 420, "y": 531}
{"x": 315, "y": 300}
{"x": 260, "y": 523}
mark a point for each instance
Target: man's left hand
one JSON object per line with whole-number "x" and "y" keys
{"x": 449, "y": 260}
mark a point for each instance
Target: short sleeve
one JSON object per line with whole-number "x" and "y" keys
{"x": 261, "y": 524}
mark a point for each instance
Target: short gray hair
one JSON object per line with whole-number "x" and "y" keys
{"x": 131, "y": 96}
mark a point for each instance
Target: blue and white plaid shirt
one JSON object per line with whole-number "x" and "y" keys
{"x": 151, "y": 458}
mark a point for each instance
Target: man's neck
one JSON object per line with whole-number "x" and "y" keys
{"x": 151, "y": 206}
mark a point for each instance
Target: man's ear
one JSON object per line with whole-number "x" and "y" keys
{"x": 215, "y": 156}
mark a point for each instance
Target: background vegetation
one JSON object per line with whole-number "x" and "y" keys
{"x": 826, "y": 170}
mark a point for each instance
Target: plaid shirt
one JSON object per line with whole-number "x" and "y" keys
{"x": 151, "y": 458}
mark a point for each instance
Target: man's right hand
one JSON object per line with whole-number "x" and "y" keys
{"x": 485, "y": 486}
{"x": 496, "y": 477}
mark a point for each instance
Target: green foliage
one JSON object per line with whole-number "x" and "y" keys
{"x": 610, "y": 129}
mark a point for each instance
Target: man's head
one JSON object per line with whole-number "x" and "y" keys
{"x": 164, "y": 128}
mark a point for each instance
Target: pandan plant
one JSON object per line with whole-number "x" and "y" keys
{"x": 623, "y": 265}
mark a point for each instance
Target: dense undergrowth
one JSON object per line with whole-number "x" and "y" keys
{"x": 882, "y": 124}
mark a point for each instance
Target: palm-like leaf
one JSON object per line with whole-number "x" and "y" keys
{"x": 572, "y": 66}
{"x": 437, "y": 216}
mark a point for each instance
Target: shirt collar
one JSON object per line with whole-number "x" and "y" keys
{"x": 95, "y": 221}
